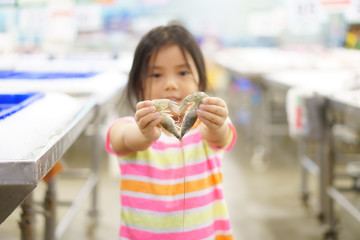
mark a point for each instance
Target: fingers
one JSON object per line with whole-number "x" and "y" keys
{"x": 213, "y": 112}
{"x": 146, "y": 115}
{"x": 142, "y": 109}
{"x": 214, "y": 109}
{"x": 215, "y": 106}
{"x": 214, "y": 101}
{"x": 210, "y": 119}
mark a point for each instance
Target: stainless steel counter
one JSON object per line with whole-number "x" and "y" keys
{"x": 18, "y": 177}
{"x": 100, "y": 96}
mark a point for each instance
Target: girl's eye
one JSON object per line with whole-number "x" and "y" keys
{"x": 156, "y": 75}
{"x": 183, "y": 73}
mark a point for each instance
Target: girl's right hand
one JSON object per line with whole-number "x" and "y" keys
{"x": 148, "y": 120}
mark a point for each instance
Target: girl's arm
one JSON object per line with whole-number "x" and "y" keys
{"x": 126, "y": 137}
{"x": 214, "y": 128}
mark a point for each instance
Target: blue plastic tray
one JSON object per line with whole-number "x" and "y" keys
{"x": 12, "y": 103}
{"x": 43, "y": 75}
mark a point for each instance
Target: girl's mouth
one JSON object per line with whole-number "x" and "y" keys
{"x": 178, "y": 100}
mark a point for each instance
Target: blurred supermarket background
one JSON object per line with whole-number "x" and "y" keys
{"x": 115, "y": 25}
{"x": 289, "y": 71}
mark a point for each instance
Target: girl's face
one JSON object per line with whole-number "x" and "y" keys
{"x": 169, "y": 75}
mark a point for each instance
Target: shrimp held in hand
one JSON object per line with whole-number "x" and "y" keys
{"x": 164, "y": 105}
{"x": 190, "y": 117}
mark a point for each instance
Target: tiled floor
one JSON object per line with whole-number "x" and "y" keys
{"x": 263, "y": 205}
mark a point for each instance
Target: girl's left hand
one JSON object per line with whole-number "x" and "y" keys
{"x": 213, "y": 112}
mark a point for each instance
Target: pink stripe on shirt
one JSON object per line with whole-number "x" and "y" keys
{"x": 188, "y": 139}
{"x": 218, "y": 225}
{"x": 172, "y": 173}
{"x": 171, "y": 206}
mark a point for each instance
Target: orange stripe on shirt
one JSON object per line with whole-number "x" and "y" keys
{"x": 170, "y": 190}
{"x": 222, "y": 237}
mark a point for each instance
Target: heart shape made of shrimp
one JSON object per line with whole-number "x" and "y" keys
{"x": 168, "y": 108}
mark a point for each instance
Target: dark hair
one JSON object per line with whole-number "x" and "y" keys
{"x": 150, "y": 44}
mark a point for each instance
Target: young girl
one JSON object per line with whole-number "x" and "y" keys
{"x": 171, "y": 189}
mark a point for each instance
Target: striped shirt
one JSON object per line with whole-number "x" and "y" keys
{"x": 154, "y": 204}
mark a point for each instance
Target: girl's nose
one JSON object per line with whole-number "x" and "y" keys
{"x": 170, "y": 83}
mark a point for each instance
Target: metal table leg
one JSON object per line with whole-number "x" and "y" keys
{"x": 330, "y": 222}
{"x": 322, "y": 182}
{"x": 27, "y": 218}
{"x": 93, "y": 213}
{"x": 304, "y": 192}
{"x": 50, "y": 210}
